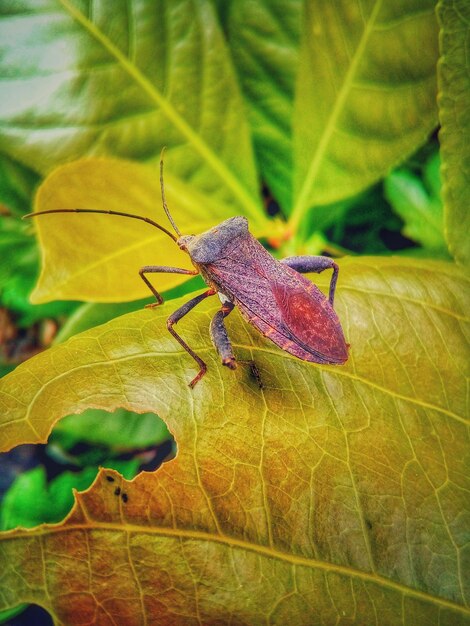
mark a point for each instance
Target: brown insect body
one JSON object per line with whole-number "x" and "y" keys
{"x": 271, "y": 295}
{"x": 281, "y": 303}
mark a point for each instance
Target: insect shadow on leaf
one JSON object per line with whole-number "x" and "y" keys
{"x": 255, "y": 374}
{"x": 271, "y": 295}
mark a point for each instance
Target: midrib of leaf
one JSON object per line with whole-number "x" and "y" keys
{"x": 232, "y": 542}
{"x": 303, "y": 203}
{"x": 173, "y": 116}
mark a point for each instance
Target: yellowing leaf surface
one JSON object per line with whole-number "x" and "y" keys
{"x": 332, "y": 495}
{"x": 97, "y": 257}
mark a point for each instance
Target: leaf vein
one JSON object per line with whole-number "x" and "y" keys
{"x": 232, "y": 542}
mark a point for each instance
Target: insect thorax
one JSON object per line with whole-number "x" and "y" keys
{"x": 210, "y": 246}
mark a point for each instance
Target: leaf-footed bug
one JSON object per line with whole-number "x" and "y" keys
{"x": 271, "y": 295}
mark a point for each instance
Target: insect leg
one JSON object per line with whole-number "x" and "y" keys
{"x": 306, "y": 264}
{"x": 175, "y": 317}
{"x": 220, "y": 338}
{"x": 161, "y": 269}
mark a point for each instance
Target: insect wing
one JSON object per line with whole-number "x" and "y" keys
{"x": 281, "y": 303}
{"x": 311, "y": 321}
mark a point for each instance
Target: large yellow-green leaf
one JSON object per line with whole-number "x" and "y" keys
{"x": 454, "y": 112}
{"x": 125, "y": 78}
{"x": 332, "y": 495}
{"x": 97, "y": 258}
{"x": 365, "y": 96}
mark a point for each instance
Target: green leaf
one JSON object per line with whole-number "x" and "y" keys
{"x": 454, "y": 113}
{"x": 6, "y": 616}
{"x": 365, "y": 95}
{"x": 125, "y": 79}
{"x": 421, "y": 211}
{"x": 31, "y": 500}
{"x": 120, "y": 430}
{"x": 432, "y": 174}
{"x": 363, "y": 224}
{"x": 92, "y": 314}
{"x": 333, "y": 493}
{"x": 17, "y": 185}
{"x": 264, "y": 40}
{"x": 19, "y": 272}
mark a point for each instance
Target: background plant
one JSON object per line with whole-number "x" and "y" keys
{"x": 339, "y": 492}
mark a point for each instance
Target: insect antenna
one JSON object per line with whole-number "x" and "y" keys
{"x": 162, "y": 187}
{"x": 119, "y": 213}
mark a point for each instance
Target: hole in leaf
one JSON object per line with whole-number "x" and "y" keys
{"x": 26, "y": 614}
{"x": 38, "y": 481}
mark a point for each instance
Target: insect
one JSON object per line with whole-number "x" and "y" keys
{"x": 271, "y": 295}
